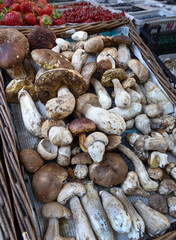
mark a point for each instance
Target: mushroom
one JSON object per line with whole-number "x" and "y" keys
{"x": 31, "y": 117}
{"x": 174, "y": 134}
{"x": 69, "y": 190}
{"x": 135, "y": 96}
{"x": 96, "y": 214}
{"x": 96, "y": 143}
{"x": 109, "y": 123}
{"x": 171, "y": 169}
{"x": 132, "y": 137}
{"x": 78, "y": 45}
{"x": 131, "y": 185}
{"x": 56, "y": 49}
{"x": 107, "y": 41}
{"x": 64, "y": 155}
{"x": 171, "y": 201}
{"x": 139, "y": 69}
{"x": 31, "y": 160}
{"x": 155, "y": 142}
{"x": 87, "y": 72}
{"x": 103, "y": 96}
{"x": 47, "y": 182}
{"x": 60, "y": 136}
{"x": 83, "y": 228}
{"x": 158, "y": 159}
{"x": 110, "y": 172}
{"x": 113, "y": 142}
{"x": 142, "y": 123}
{"x": 61, "y": 106}
{"x": 152, "y": 110}
{"x": 167, "y": 122}
{"x": 81, "y": 171}
{"x": 47, "y": 124}
{"x": 137, "y": 229}
{"x": 48, "y": 83}
{"x": 158, "y": 202}
{"x": 54, "y": 211}
{"x": 127, "y": 113}
{"x": 94, "y": 44}
{"x": 80, "y": 126}
{"x": 139, "y": 148}
{"x": 167, "y": 138}
{"x": 79, "y": 59}
{"x": 63, "y": 44}
{"x": 47, "y": 150}
{"x": 167, "y": 186}
{"x": 145, "y": 181}
{"x": 155, "y": 173}
{"x": 155, "y": 95}
{"x": 129, "y": 82}
{"x": 68, "y": 54}
{"x": 130, "y": 124}
{"x": 155, "y": 222}
{"x": 48, "y": 59}
{"x": 79, "y": 36}
{"x": 138, "y": 89}
{"x": 120, "y": 220}
{"x": 75, "y": 151}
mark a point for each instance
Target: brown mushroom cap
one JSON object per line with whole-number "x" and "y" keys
{"x": 55, "y": 210}
{"x": 31, "y": 160}
{"x": 80, "y": 125}
{"x": 49, "y": 59}
{"x": 81, "y": 159}
{"x": 110, "y": 172}
{"x": 11, "y": 54}
{"x": 87, "y": 72}
{"x": 158, "y": 202}
{"x": 114, "y": 141}
{"x": 41, "y": 37}
{"x": 49, "y": 82}
{"x": 47, "y": 182}
{"x": 110, "y": 74}
{"x": 119, "y": 39}
{"x": 94, "y": 44}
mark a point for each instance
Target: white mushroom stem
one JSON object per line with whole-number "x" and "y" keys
{"x": 122, "y": 98}
{"x": 96, "y": 151}
{"x": 135, "y": 96}
{"x": 137, "y": 88}
{"x": 132, "y": 137}
{"x": 156, "y": 223}
{"x": 97, "y": 216}
{"x": 81, "y": 171}
{"x": 31, "y": 117}
{"x": 103, "y": 96}
{"x": 127, "y": 113}
{"x": 171, "y": 201}
{"x": 167, "y": 138}
{"x": 124, "y": 54}
{"x": 64, "y": 155}
{"x": 138, "y": 227}
{"x": 142, "y": 123}
{"x": 63, "y": 45}
{"x": 79, "y": 59}
{"x": 156, "y": 143}
{"x": 63, "y": 90}
{"x": 146, "y": 182}
{"x": 83, "y": 228}
{"x": 120, "y": 220}
{"x": 152, "y": 110}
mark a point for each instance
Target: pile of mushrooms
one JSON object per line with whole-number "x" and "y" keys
{"x": 85, "y": 147}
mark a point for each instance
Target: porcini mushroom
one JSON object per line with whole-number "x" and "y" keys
{"x": 167, "y": 138}
{"x": 68, "y": 54}
{"x": 132, "y": 137}
{"x": 157, "y": 159}
{"x": 109, "y": 172}
{"x": 139, "y": 148}
{"x": 79, "y": 59}
{"x": 47, "y": 124}
{"x": 81, "y": 171}
{"x": 94, "y": 44}
{"x": 142, "y": 123}
{"x": 158, "y": 202}
{"x": 110, "y": 123}
{"x": 54, "y": 211}
{"x": 96, "y": 214}
{"x": 135, "y": 96}
{"x": 87, "y": 72}
{"x": 167, "y": 186}
{"x": 47, "y": 150}
{"x": 60, "y": 136}
{"x": 120, "y": 220}
{"x": 139, "y": 69}
{"x": 78, "y": 45}
{"x": 152, "y": 110}
{"x": 171, "y": 201}
{"x": 138, "y": 89}
{"x": 171, "y": 169}
{"x": 96, "y": 143}
{"x": 47, "y": 182}
{"x": 130, "y": 124}
{"x": 79, "y": 36}
{"x": 114, "y": 141}
{"x": 63, "y": 44}
{"x": 64, "y": 155}
{"x": 155, "y": 222}
{"x": 156, "y": 142}
{"x": 129, "y": 82}
{"x": 155, "y": 173}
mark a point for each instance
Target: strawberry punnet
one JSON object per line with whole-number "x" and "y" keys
{"x": 13, "y": 18}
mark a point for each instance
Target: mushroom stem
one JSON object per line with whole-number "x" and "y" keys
{"x": 146, "y": 182}
{"x": 103, "y": 96}
{"x": 96, "y": 151}
{"x": 64, "y": 155}
{"x": 124, "y": 54}
{"x": 82, "y": 137}
{"x": 52, "y": 229}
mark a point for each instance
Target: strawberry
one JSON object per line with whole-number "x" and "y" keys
{"x": 27, "y": 7}
{"x": 8, "y": 3}
{"x": 2, "y": 6}
{"x": 15, "y": 7}
{"x": 30, "y": 19}
{"x": 38, "y": 11}
{"x": 1, "y": 23}
{"x": 45, "y": 20}
{"x": 13, "y": 18}
{"x": 47, "y": 9}
{"x": 42, "y": 2}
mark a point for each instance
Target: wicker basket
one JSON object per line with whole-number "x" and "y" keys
{"x": 21, "y": 200}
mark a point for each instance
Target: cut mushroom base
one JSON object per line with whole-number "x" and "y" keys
{"x": 47, "y": 150}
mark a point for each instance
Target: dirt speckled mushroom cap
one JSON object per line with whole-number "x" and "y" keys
{"x": 80, "y": 125}
{"x": 110, "y": 74}
{"x": 81, "y": 159}
{"x": 110, "y": 172}
{"x": 49, "y": 59}
{"x": 55, "y": 210}
{"x": 48, "y": 83}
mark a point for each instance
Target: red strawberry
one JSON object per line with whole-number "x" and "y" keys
{"x": 59, "y": 21}
{"x": 30, "y": 19}
{"x": 47, "y": 9}
{"x": 15, "y": 7}
{"x": 38, "y": 11}
{"x": 13, "y": 18}
{"x": 27, "y": 7}
{"x": 2, "y": 6}
{"x": 42, "y": 2}
{"x": 8, "y": 3}
{"x": 1, "y": 22}
{"x": 45, "y": 20}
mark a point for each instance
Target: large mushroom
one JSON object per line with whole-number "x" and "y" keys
{"x": 139, "y": 69}
{"x": 94, "y": 44}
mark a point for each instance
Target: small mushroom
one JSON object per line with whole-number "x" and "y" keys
{"x": 130, "y": 123}
{"x": 158, "y": 202}
{"x": 79, "y": 45}
{"x": 156, "y": 143}
{"x": 155, "y": 173}
{"x": 75, "y": 151}
{"x": 142, "y": 123}
{"x": 47, "y": 182}
{"x": 171, "y": 201}
{"x": 132, "y": 137}
{"x": 79, "y": 36}
{"x": 94, "y": 44}
{"x": 152, "y": 110}
{"x": 54, "y": 211}
{"x": 87, "y": 72}
{"x": 47, "y": 124}
{"x": 131, "y": 185}
{"x": 135, "y": 96}
{"x": 79, "y": 59}
{"x": 81, "y": 171}
{"x": 60, "y": 136}
{"x": 69, "y": 190}
{"x": 64, "y": 155}
{"x": 167, "y": 186}
{"x": 96, "y": 143}
{"x": 139, "y": 148}
{"x": 171, "y": 169}
{"x": 167, "y": 138}
{"x": 63, "y": 44}
{"x": 107, "y": 41}
{"x": 167, "y": 122}
{"x": 68, "y": 54}
{"x": 47, "y": 150}
{"x": 114, "y": 141}
{"x": 139, "y": 69}
{"x": 157, "y": 159}
{"x": 128, "y": 82}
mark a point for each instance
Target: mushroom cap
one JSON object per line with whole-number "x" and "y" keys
{"x": 95, "y": 136}
{"x": 139, "y": 69}
{"x": 158, "y": 202}
{"x": 49, "y": 59}
{"x": 110, "y": 172}
{"x": 13, "y": 54}
{"x": 48, "y": 83}
{"x": 85, "y": 99}
{"x": 94, "y": 44}
{"x": 114, "y": 141}
{"x": 81, "y": 159}
{"x": 80, "y": 125}
{"x": 119, "y": 39}
{"x": 47, "y": 124}
{"x": 47, "y": 182}
{"x": 108, "y": 51}
{"x": 129, "y": 82}
{"x": 56, "y": 210}
{"x": 110, "y": 74}
{"x": 87, "y": 72}
{"x": 41, "y": 37}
